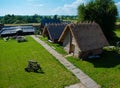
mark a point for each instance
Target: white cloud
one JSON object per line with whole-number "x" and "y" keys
{"x": 118, "y": 3}
{"x": 69, "y": 9}
{"x": 35, "y": 5}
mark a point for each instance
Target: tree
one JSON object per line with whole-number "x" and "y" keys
{"x": 103, "y": 12}
{"x": 55, "y": 17}
{"x": 12, "y": 19}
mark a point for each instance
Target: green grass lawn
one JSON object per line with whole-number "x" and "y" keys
{"x": 105, "y": 70}
{"x": 13, "y": 60}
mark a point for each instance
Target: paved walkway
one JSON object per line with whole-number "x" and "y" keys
{"x": 86, "y": 81}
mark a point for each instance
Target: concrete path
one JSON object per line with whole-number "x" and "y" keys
{"x": 86, "y": 81}
{"x": 78, "y": 85}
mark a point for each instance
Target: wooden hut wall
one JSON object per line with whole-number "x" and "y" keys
{"x": 74, "y": 47}
{"x": 66, "y": 42}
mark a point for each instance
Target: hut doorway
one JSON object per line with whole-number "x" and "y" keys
{"x": 72, "y": 48}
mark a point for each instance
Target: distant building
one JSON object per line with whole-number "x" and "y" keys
{"x": 27, "y": 29}
{"x": 7, "y": 31}
{"x": 46, "y": 21}
{"x": 1, "y": 26}
{"x": 17, "y": 30}
{"x": 53, "y": 31}
{"x": 83, "y": 39}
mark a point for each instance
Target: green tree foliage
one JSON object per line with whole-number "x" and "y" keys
{"x": 118, "y": 19}
{"x": 104, "y": 12}
{"x": 14, "y": 19}
{"x": 55, "y": 17}
{"x": 17, "y": 19}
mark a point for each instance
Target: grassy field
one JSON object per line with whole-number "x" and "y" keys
{"x": 105, "y": 71}
{"x": 13, "y": 60}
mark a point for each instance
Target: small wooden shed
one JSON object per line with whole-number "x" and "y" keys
{"x": 83, "y": 39}
{"x": 53, "y": 31}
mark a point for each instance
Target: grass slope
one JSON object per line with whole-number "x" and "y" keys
{"x": 13, "y": 60}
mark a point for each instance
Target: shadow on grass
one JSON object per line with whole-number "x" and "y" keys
{"x": 38, "y": 71}
{"x": 107, "y": 60}
{"x": 41, "y": 72}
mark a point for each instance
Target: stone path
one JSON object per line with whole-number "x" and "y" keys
{"x": 86, "y": 81}
{"x": 78, "y": 85}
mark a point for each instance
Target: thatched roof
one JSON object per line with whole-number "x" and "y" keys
{"x": 88, "y": 36}
{"x": 53, "y": 31}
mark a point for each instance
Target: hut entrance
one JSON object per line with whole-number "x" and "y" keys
{"x": 72, "y": 48}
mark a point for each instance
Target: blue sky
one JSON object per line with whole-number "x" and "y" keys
{"x": 42, "y": 7}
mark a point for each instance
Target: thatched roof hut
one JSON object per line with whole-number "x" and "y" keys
{"x": 53, "y": 31}
{"x": 83, "y": 39}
